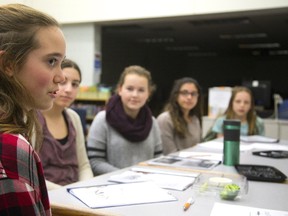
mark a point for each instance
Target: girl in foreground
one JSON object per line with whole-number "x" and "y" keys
{"x": 32, "y": 48}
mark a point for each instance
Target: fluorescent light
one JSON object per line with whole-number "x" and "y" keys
{"x": 202, "y": 54}
{"x": 182, "y": 48}
{"x": 157, "y": 40}
{"x": 259, "y": 45}
{"x": 242, "y": 36}
{"x": 278, "y": 52}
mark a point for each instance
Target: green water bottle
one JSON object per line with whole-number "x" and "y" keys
{"x": 231, "y": 150}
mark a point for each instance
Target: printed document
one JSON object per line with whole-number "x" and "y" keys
{"x": 236, "y": 210}
{"x": 176, "y": 161}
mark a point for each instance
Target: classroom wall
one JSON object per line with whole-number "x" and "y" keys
{"x": 80, "y": 40}
{"x": 73, "y": 11}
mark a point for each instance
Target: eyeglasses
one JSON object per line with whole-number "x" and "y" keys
{"x": 186, "y": 93}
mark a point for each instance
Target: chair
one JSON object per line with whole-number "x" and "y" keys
{"x": 283, "y": 110}
{"x": 82, "y": 113}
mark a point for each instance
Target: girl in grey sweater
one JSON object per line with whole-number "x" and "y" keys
{"x": 125, "y": 133}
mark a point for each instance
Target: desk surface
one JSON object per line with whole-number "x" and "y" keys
{"x": 260, "y": 194}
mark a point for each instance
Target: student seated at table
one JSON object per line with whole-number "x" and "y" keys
{"x": 180, "y": 123}
{"x": 125, "y": 133}
{"x": 63, "y": 152}
{"x": 32, "y": 47}
{"x": 241, "y": 107}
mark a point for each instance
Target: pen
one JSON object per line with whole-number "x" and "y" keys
{"x": 189, "y": 202}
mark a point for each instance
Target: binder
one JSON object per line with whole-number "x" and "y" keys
{"x": 103, "y": 196}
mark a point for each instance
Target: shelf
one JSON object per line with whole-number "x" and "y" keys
{"x": 93, "y": 96}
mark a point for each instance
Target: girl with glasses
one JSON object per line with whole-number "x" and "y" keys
{"x": 180, "y": 123}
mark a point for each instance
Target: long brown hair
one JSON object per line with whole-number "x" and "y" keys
{"x": 19, "y": 25}
{"x": 175, "y": 110}
{"x": 251, "y": 115}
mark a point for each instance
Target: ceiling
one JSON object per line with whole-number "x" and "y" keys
{"x": 256, "y": 33}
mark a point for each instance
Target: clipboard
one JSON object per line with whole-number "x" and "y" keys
{"x": 112, "y": 195}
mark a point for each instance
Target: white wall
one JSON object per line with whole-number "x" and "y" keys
{"x": 80, "y": 41}
{"x": 75, "y": 11}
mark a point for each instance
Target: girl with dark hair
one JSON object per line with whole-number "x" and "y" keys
{"x": 63, "y": 152}
{"x": 180, "y": 123}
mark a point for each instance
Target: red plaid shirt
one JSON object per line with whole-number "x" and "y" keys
{"x": 22, "y": 185}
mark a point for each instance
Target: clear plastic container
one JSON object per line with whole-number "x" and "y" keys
{"x": 221, "y": 185}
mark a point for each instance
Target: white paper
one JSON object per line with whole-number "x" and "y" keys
{"x": 172, "y": 182}
{"x": 162, "y": 180}
{"x": 201, "y": 155}
{"x": 236, "y": 210}
{"x": 245, "y": 147}
{"x": 218, "y": 100}
{"x": 267, "y": 146}
{"x": 129, "y": 177}
{"x": 219, "y": 146}
{"x": 176, "y": 161}
{"x": 258, "y": 139}
{"x": 121, "y": 194}
{"x": 167, "y": 171}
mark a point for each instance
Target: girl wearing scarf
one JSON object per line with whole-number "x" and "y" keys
{"x": 125, "y": 133}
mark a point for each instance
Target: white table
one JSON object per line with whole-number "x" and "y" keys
{"x": 260, "y": 194}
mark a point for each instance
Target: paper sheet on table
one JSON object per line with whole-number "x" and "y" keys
{"x": 165, "y": 171}
{"x": 180, "y": 162}
{"x": 258, "y": 139}
{"x": 266, "y": 146}
{"x": 201, "y": 155}
{"x": 236, "y": 210}
{"x": 121, "y": 194}
{"x": 219, "y": 145}
{"x": 166, "y": 181}
{"x": 245, "y": 147}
